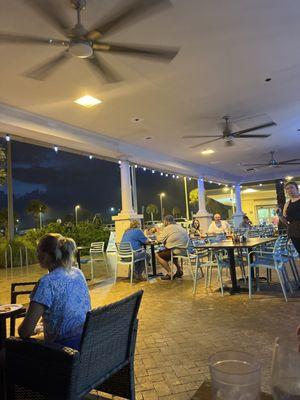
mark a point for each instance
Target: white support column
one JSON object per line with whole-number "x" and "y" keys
{"x": 127, "y": 214}
{"x": 134, "y": 191}
{"x": 238, "y": 215}
{"x": 202, "y": 215}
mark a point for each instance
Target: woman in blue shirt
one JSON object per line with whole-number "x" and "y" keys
{"x": 135, "y": 236}
{"x": 61, "y": 297}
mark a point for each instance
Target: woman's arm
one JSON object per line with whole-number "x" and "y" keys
{"x": 282, "y": 214}
{"x": 33, "y": 315}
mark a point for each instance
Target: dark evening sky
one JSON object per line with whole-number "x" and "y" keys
{"x": 63, "y": 180}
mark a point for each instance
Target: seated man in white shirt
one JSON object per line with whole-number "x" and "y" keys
{"x": 218, "y": 227}
{"x": 173, "y": 236}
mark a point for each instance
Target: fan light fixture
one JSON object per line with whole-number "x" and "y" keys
{"x": 207, "y": 151}
{"x": 87, "y": 101}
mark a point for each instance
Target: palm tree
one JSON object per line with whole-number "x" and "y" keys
{"x": 176, "y": 212}
{"x": 151, "y": 209}
{"x": 36, "y": 208}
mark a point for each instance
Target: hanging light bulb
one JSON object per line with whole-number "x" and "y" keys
{"x": 7, "y": 138}
{"x": 161, "y": 174}
{"x": 90, "y": 157}
{"x": 153, "y": 171}
{"x": 167, "y": 175}
{"x": 55, "y": 148}
{"x": 144, "y": 169}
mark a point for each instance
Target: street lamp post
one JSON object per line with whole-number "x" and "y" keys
{"x": 76, "y": 214}
{"x": 161, "y": 195}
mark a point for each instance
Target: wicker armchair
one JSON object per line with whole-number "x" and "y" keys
{"x": 35, "y": 370}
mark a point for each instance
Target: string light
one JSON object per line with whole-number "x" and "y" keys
{"x": 177, "y": 177}
{"x": 167, "y": 175}
{"x": 161, "y": 174}
{"x": 173, "y": 176}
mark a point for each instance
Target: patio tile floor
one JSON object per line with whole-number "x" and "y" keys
{"x": 178, "y": 331}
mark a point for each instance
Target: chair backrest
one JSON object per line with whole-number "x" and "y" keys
{"x": 97, "y": 247}
{"x": 253, "y": 233}
{"x": 108, "y": 340}
{"x": 124, "y": 250}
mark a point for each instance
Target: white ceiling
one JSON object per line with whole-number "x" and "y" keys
{"x": 228, "y": 48}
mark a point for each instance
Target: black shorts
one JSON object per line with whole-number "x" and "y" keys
{"x": 165, "y": 254}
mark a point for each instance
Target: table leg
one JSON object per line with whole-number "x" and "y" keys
{"x": 153, "y": 259}
{"x": 2, "y": 332}
{"x": 235, "y": 288}
{"x": 78, "y": 259}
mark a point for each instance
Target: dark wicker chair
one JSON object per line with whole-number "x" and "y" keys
{"x": 26, "y": 289}
{"x": 35, "y": 370}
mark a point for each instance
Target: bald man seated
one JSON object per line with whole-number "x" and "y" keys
{"x": 218, "y": 226}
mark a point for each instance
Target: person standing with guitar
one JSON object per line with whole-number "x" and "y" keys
{"x": 290, "y": 215}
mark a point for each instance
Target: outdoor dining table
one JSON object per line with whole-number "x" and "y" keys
{"x": 229, "y": 246}
{"x": 205, "y": 393}
{"x": 6, "y": 312}
{"x": 78, "y": 254}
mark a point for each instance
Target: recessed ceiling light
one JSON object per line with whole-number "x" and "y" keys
{"x": 207, "y": 151}
{"x": 87, "y": 101}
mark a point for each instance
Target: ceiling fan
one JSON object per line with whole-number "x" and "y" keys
{"x": 87, "y": 44}
{"x": 228, "y": 135}
{"x": 273, "y": 163}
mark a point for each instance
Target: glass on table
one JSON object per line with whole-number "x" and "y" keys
{"x": 285, "y": 381}
{"x": 235, "y": 375}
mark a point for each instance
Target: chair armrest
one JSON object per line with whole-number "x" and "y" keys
{"x": 260, "y": 252}
{"x": 46, "y": 368}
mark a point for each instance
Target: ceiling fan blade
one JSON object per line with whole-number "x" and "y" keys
{"x": 255, "y": 128}
{"x": 53, "y": 13}
{"x": 44, "y": 70}
{"x": 288, "y": 161}
{"x": 262, "y": 136}
{"x": 199, "y": 136}
{"x": 285, "y": 163}
{"x": 160, "y": 53}
{"x": 102, "y": 67}
{"x": 132, "y": 11}
{"x": 201, "y": 144}
{"x": 7, "y": 37}
{"x": 254, "y": 165}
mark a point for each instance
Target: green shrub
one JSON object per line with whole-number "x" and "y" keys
{"x": 84, "y": 234}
